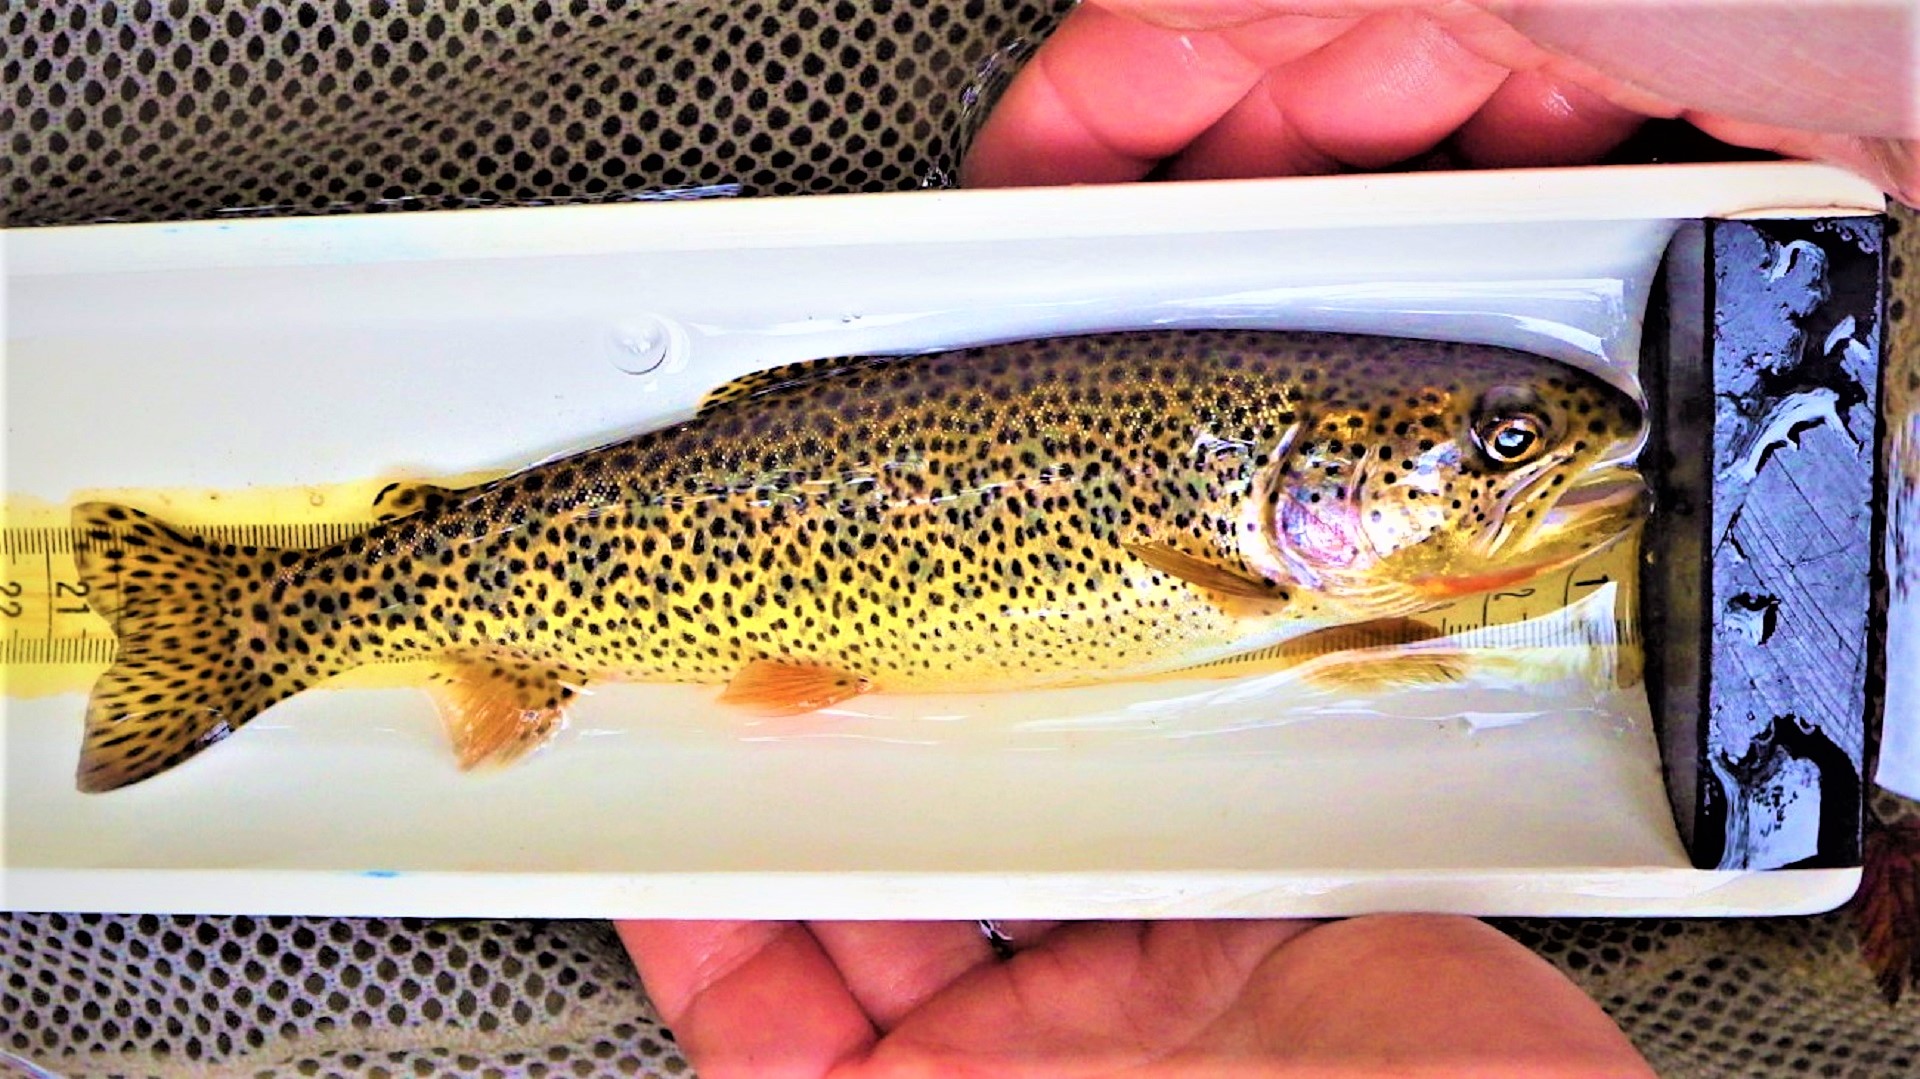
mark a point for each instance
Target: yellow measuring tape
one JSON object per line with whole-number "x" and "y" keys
{"x": 52, "y": 642}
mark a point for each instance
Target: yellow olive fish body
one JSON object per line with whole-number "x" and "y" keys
{"x": 1042, "y": 513}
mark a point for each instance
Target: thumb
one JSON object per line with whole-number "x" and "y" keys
{"x": 1827, "y": 82}
{"x": 1827, "y": 68}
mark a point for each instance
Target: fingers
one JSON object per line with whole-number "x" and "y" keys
{"x": 1452, "y": 992}
{"x": 749, "y": 998}
{"x": 1221, "y": 14}
{"x": 712, "y": 981}
{"x": 1893, "y": 164}
{"x": 1107, "y": 97}
{"x": 1837, "y": 68}
{"x": 1389, "y": 87}
{"x": 1095, "y": 997}
{"x": 1104, "y": 99}
{"x": 891, "y": 968}
{"x": 1285, "y": 87}
{"x": 1836, "y": 84}
{"x": 1534, "y": 119}
{"x": 1255, "y": 138}
{"x": 1021, "y": 935}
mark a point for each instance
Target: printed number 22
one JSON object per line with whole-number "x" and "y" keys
{"x": 11, "y": 606}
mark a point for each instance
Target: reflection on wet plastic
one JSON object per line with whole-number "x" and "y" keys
{"x": 1570, "y": 291}
{"x": 1575, "y": 660}
{"x": 1579, "y": 314}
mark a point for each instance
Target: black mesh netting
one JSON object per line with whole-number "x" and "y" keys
{"x": 199, "y": 108}
{"x": 157, "y": 110}
{"x": 133, "y": 995}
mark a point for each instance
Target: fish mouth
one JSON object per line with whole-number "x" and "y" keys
{"x": 1598, "y": 509}
{"x": 1617, "y": 491}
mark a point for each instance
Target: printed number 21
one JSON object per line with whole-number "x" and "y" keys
{"x": 65, "y": 590}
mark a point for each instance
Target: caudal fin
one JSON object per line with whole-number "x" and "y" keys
{"x": 193, "y": 664}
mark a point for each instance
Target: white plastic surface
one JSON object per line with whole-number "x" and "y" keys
{"x": 282, "y": 352}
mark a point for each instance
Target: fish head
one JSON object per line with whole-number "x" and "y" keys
{"x": 1431, "y": 481}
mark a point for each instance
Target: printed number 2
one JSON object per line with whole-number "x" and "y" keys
{"x": 11, "y": 606}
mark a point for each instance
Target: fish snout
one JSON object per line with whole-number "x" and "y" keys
{"x": 1609, "y": 498}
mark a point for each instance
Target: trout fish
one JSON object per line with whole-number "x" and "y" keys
{"x": 1044, "y": 513}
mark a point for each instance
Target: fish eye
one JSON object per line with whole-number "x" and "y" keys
{"x": 1511, "y": 439}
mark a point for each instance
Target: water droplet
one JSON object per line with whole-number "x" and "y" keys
{"x": 649, "y": 345}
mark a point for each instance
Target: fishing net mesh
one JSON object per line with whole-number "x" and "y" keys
{"x": 154, "y": 110}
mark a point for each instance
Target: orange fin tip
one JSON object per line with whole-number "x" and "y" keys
{"x": 772, "y": 687}
{"x": 498, "y": 708}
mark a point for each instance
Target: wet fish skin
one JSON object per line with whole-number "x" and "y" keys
{"x": 1039, "y": 513}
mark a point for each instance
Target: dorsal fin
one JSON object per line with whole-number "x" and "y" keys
{"x": 401, "y": 498}
{"x": 787, "y": 374}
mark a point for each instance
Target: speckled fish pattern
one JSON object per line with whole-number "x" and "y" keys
{"x": 1032, "y": 514}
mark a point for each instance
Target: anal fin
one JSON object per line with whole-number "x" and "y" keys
{"x": 497, "y": 707}
{"x": 772, "y": 687}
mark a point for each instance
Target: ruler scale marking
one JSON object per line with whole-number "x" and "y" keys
{"x": 43, "y": 602}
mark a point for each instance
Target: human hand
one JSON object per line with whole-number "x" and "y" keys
{"x": 1224, "y": 88}
{"x": 1401, "y": 994}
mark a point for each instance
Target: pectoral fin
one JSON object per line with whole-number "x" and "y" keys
{"x": 1224, "y": 580}
{"x": 499, "y": 707}
{"x": 1379, "y": 633}
{"x": 1319, "y": 645}
{"x": 772, "y": 687}
{"x": 1362, "y": 672}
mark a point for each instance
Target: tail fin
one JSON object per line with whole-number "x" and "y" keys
{"x": 189, "y": 670}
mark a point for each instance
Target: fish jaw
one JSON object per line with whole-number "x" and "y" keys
{"x": 1591, "y": 514}
{"x": 1588, "y": 517}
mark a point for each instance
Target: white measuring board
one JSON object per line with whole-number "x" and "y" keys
{"x": 311, "y": 351}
